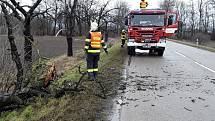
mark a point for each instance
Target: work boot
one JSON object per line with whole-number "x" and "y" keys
{"x": 95, "y": 75}
{"x": 90, "y": 77}
{"x": 121, "y": 45}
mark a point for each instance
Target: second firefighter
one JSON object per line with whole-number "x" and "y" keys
{"x": 123, "y": 37}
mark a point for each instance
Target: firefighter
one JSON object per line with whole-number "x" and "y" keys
{"x": 93, "y": 44}
{"x": 143, "y": 4}
{"x": 123, "y": 37}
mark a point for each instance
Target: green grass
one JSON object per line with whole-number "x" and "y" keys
{"x": 36, "y": 111}
{"x": 54, "y": 108}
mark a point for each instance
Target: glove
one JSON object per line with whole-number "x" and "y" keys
{"x": 106, "y": 51}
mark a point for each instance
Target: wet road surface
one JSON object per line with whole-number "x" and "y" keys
{"x": 180, "y": 86}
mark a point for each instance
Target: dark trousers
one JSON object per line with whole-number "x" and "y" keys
{"x": 123, "y": 42}
{"x": 92, "y": 64}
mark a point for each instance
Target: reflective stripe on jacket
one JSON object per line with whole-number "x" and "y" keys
{"x": 94, "y": 42}
{"x": 94, "y": 51}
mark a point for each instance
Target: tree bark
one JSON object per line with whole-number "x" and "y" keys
{"x": 70, "y": 45}
{"x": 200, "y": 5}
{"x": 69, "y": 32}
{"x": 79, "y": 26}
{"x": 14, "y": 51}
{"x": 106, "y": 31}
{"x": 28, "y": 46}
{"x": 70, "y": 23}
{"x": 55, "y": 25}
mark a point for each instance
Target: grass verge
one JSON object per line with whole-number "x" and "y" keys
{"x": 76, "y": 106}
{"x": 194, "y": 45}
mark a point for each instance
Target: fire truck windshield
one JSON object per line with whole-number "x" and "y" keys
{"x": 147, "y": 20}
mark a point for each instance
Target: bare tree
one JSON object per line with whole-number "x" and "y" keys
{"x": 28, "y": 16}
{"x": 79, "y": 16}
{"x": 192, "y": 18}
{"x": 206, "y": 19}
{"x": 102, "y": 12}
{"x": 121, "y": 13}
{"x": 57, "y": 13}
{"x": 88, "y": 8}
{"x": 181, "y": 8}
{"x": 200, "y": 9}
{"x": 70, "y": 23}
{"x": 54, "y": 13}
{"x": 13, "y": 49}
{"x": 167, "y": 5}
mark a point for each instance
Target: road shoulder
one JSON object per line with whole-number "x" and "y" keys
{"x": 193, "y": 45}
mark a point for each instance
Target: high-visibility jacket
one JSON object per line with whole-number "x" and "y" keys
{"x": 143, "y": 4}
{"x": 94, "y": 42}
{"x": 96, "y": 39}
{"x": 123, "y": 35}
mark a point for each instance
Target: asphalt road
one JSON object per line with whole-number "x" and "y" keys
{"x": 180, "y": 86}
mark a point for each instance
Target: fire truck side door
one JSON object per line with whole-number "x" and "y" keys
{"x": 171, "y": 18}
{"x": 172, "y": 24}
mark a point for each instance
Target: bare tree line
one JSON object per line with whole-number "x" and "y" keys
{"x": 197, "y": 17}
{"x": 51, "y": 15}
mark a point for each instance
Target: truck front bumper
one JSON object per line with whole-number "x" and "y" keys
{"x": 160, "y": 44}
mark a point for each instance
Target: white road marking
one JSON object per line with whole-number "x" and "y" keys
{"x": 209, "y": 69}
{"x": 205, "y": 67}
{"x": 181, "y": 54}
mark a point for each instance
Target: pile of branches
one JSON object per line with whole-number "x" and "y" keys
{"x": 39, "y": 87}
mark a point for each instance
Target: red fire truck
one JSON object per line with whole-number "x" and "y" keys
{"x": 148, "y": 30}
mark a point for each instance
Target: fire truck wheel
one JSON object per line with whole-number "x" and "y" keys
{"x": 160, "y": 52}
{"x": 131, "y": 50}
{"x": 151, "y": 52}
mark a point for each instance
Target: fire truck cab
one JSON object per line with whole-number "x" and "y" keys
{"x": 147, "y": 29}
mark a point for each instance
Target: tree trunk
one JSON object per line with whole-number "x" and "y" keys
{"x": 69, "y": 43}
{"x": 9, "y": 101}
{"x": 60, "y": 27}
{"x": 192, "y": 31}
{"x": 69, "y": 33}
{"x": 106, "y": 31}
{"x": 14, "y": 51}
{"x": 79, "y": 26}
{"x": 47, "y": 27}
{"x": 55, "y": 24}
{"x": 213, "y": 24}
{"x": 28, "y": 46}
{"x": 70, "y": 24}
{"x": 16, "y": 59}
{"x": 88, "y": 25}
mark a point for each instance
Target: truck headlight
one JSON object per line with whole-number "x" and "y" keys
{"x": 131, "y": 40}
{"x": 162, "y": 40}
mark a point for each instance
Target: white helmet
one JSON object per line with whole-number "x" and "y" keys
{"x": 94, "y": 26}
